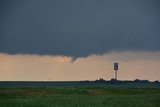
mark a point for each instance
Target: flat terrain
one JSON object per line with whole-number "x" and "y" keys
{"x": 81, "y": 96}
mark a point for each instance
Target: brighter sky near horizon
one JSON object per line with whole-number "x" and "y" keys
{"x": 132, "y": 65}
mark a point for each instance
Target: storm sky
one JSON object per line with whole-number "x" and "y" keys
{"x": 78, "y": 29}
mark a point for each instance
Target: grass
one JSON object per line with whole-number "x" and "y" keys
{"x": 79, "y": 97}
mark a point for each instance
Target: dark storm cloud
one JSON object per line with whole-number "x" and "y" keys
{"x": 78, "y": 27}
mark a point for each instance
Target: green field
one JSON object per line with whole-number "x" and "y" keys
{"x": 79, "y": 97}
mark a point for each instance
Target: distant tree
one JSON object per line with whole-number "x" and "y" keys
{"x": 96, "y": 80}
{"x": 113, "y": 80}
{"x": 101, "y": 80}
{"x": 141, "y": 81}
{"x": 156, "y": 81}
{"x": 136, "y": 80}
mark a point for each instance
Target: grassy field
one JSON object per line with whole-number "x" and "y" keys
{"x": 79, "y": 97}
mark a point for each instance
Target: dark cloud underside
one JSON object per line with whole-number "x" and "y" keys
{"x": 78, "y": 27}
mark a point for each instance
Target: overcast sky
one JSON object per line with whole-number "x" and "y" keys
{"x": 77, "y": 29}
